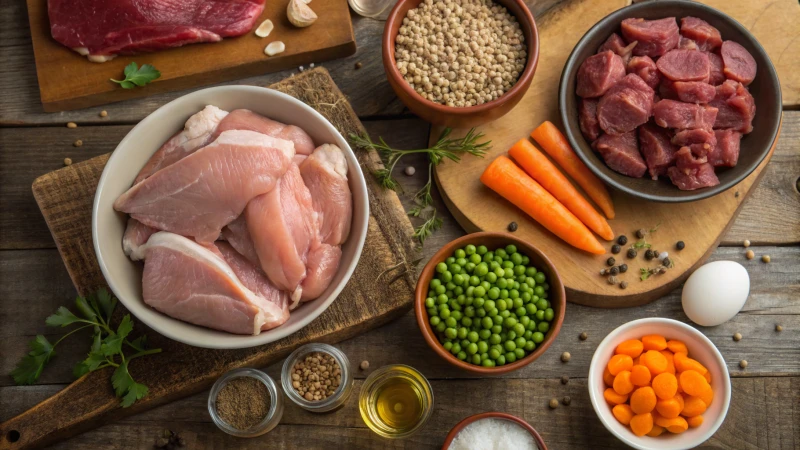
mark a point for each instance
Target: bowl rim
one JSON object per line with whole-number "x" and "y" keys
{"x": 493, "y": 415}
{"x": 519, "y": 87}
{"x": 690, "y": 196}
{"x": 236, "y": 341}
{"x": 421, "y": 314}
{"x": 598, "y": 400}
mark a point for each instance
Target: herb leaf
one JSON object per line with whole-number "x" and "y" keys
{"x": 106, "y": 302}
{"x": 644, "y": 273}
{"x": 30, "y": 366}
{"x": 126, "y": 387}
{"x": 62, "y": 318}
{"x": 112, "y": 345}
{"x": 137, "y": 76}
{"x": 92, "y": 362}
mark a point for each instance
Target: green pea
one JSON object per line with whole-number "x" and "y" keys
{"x": 470, "y": 267}
{"x": 538, "y": 337}
{"x": 531, "y": 308}
{"x": 461, "y": 261}
{"x": 441, "y": 327}
{"x": 462, "y": 332}
{"x": 478, "y": 302}
{"x": 499, "y": 272}
{"x": 462, "y": 355}
{"x": 498, "y": 319}
{"x": 456, "y": 348}
{"x": 516, "y": 258}
{"x": 539, "y": 315}
{"x": 470, "y": 249}
{"x": 480, "y": 312}
{"x": 501, "y": 305}
{"x": 493, "y": 293}
{"x": 526, "y": 296}
{"x": 507, "y": 265}
{"x": 539, "y": 277}
{"x": 436, "y": 282}
{"x": 511, "y": 357}
{"x": 450, "y": 260}
{"x": 531, "y": 326}
{"x": 483, "y": 347}
{"x": 505, "y": 313}
{"x": 441, "y": 267}
{"x": 517, "y": 300}
{"x": 447, "y": 345}
{"x": 467, "y": 321}
{"x": 489, "y": 304}
{"x": 510, "y": 346}
{"x": 461, "y": 299}
{"x": 520, "y": 312}
{"x": 508, "y": 273}
{"x": 482, "y": 269}
{"x": 472, "y": 336}
{"x": 460, "y": 253}
{"x": 530, "y": 271}
{"x": 494, "y": 354}
{"x": 519, "y": 270}
{"x": 472, "y": 348}
{"x": 479, "y": 291}
{"x": 520, "y": 353}
{"x": 433, "y": 311}
{"x": 487, "y": 323}
{"x": 469, "y": 311}
{"x": 546, "y": 286}
{"x": 500, "y": 360}
{"x": 475, "y": 259}
{"x": 496, "y": 329}
{"x": 476, "y": 359}
{"x": 451, "y": 333}
{"x": 494, "y": 266}
{"x": 541, "y": 304}
{"x": 444, "y": 313}
{"x": 528, "y": 335}
{"x": 494, "y": 338}
{"x": 491, "y": 277}
{"x": 486, "y": 285}
{"x": 519, "y": 341}
{"x": 510, "y": 322}
{"x": 501, "y": 253}
{"x": 524, "y": 320}
{"x": 543, "y": 327}
{"x": 530, "y": 282}
{"x": 530, "y": 346}
{"x": 434, "y": 320}
{"x": 504, "y": 294}
{"x": 510, "y": 335}
{"x": 518, "y": 328}
{"x": 549, "y": 314}
{"x": 488, "y": 257}
{"x": 484, "y": 334}
{"x": 487, "y": 363}
{"x": 450, "y": 322}
{"x": 440, "y": 289}
{"x": 511, "y": 249}
{"x": 430, "y": 303}
{"x": 482, "y": 249}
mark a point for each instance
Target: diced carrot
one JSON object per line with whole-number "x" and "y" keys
{"x": 695, "y": 421}
{"x": 547, "y": 174}
{"x": 636, "y": 361}
{"x": 683, "y": 362}
{"x": 670, "y": 360}
{"x": 622, "y": 383}
{"x": 656, "y": 431}
{"x": 707, "y": 376}
{"x": 618, "y": 363}
{"x": 622, "y": 413}
{"x": 612, "y": 397}
{"x": 642, "y": 424}
{"x": 693, "y": 383}
{"x": 680, "y": 398}
{"x": 669, "y": 408}
{"x": 707, "y": 396}
{"x": 631, "y": 347}
{"x": 557, "y": 146}
{"x": 677, "y": 347}
{"x": 665, "y": 385}
{"x": 513, "y": 184}
{"x": 608, "y": 378}
{"x": 674, "y": 425}
{"x": 654, "y": 342}
{"x": 643, "y": 400}
{"x": 693, "y": 407}
{"x": 654, "y": 361}
{"x": 640, "y": 375}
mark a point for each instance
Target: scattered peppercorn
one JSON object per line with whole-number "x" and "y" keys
{"x": 623, "y": 268}
{"x": 765, "y": 258}
{"x": 169, "y": 439}
{"x": 364, "y": 365}
{"x": 657, "y": 254}
{"x": 583, "y": 336}
{"x": 67, "y": 161}
{"x": 736, "y": 194}
{"x": 778, "y": 327}
{"x": 317, "y": 376}
{"x": 565, "y": 357}
{"x": 614, "y": 270}
{"x": 743, "y": 364}
{"x": 512, "y": 227}
{"x": 649, "y": 254}
{"x": 666, "y": 262}
{"x": 410, "y": 170}
{"x": 612, "y": 280}
{"x": 659, "y": 270}
{"x": 603, "y": 271}
{"x": 737, "y": 337}
{"x": 746, "y": 243}
{"x": 623, "y": 285}
{"x": 680, "y": 245}
{"x": 632, "y": 253}
{"x": 616, "y": 249}
{"x": 611, "y": 261}
{"x": 564, "y": 379}
{"x": 553, "y": 403}
{"x": 566, "y": 400}
{"x": 359, "y": 65}
{"x": 641, "y": 233}
{"x": 622, "y": 240}
{"x": 749, "y": 254}
{"x": 104, "y": 113}
{"x": 72, "y": 125}
{"x": 78, "y": 143}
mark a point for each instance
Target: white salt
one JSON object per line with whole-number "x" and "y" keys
{"x": 493, "y": 434}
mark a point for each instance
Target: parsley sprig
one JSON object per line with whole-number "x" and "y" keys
{"x": 137, "y": 76}
{"x": 107, "y": 349}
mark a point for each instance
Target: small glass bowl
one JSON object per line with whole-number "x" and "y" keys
{"x": 275, "y": 410}
{"x": 337, "y": 399}
{"x": 373, "y": 385}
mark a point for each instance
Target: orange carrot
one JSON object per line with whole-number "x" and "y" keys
{"x": 513, "y": 184}
{"x": 557, "y": 146}
{"x": 547, "y": 174}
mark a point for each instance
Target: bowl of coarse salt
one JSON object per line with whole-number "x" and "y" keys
{"x": 493, "y": 431}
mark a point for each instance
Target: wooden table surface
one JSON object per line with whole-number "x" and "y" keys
{"x": 764, "y": 412}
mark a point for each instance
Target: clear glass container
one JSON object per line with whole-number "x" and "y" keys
{"x": 370, "y": 8}
{"x": 337, "y": 399}
{"x": 270, "y": 420}
{"x": 372, "y": 388}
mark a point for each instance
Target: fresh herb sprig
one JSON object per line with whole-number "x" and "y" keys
{"x": 444, "y": 148}
{"x": 137, "y": 76}
{"x": 107, "y": 348}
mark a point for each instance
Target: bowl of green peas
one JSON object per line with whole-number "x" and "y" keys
{"x": 489, "y": 303}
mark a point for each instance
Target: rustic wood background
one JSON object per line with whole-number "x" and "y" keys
{"x": 33, "y": 283}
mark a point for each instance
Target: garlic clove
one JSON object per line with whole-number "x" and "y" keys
{"x": 300, "y": 14}
{"x": 274, "y": 48}
{"x": 265, "y": 28}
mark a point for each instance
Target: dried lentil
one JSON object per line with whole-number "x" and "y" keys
{"x": 316, "y": 377}
{"x": 359, "y": 65}
{"x": 72, "y": 125}
{"x": 67, "y": 161}
{"x": 78, "y": 143}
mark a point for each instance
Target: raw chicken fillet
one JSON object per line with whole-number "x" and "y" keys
{"x": 325, "y": 174}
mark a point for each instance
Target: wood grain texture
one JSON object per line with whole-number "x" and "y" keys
{"x": 70, "y": 81}
{"x": 65, "y": 197}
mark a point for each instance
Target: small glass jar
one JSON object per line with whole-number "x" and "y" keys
{"x": 370, "y": 8}
{"x": 335, "y": 400}
{"x": 374, "y": 384}
{"x": 275, "y": 410}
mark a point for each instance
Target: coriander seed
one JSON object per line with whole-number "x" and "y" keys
{"x": 778, "y": 327}
{"x": 410, "y": 170}
{"x": 104, "y": 113}
{"x": 743, "y": 364}
{"x": 72, "y": 125}
{"x": 583, "y": 336}
{"x": 566, "y": 400}
{"x": 364, "y": 365}
{"x": 565, "y": 357}
{"x": 316, "y": 376}
{"x": 603, "y": 272}
{"x": 553, "y": 403}
{"x": 746, "y": 243}
{"x": 749, "y": 254}
{"x": 564, "y": 379}
{"x": 67, "y": 161}
{"x": 765, "y": 258}
{"x": 77, "y": 143}
{"x": 359, "y": 65}
{"x": 737, "y": 337}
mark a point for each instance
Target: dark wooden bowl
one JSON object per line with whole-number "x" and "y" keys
{"x": 765, "y": 88}
{"x": 464, "y": 117}
{"x": 558, "y": 298}
{"x": 495, "y": 415}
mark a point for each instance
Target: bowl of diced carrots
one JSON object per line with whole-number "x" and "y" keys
{"x": 659, "y": 384}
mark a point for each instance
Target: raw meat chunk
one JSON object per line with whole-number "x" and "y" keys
{"x": 658, "y": 151}
{"x": 694, "y": 91}
{"x": 666, "y": 89}
{"x": 685, "y": 159}
{"x": 192, "y": 283}
{"x": 646, "y": 68}
{"x": 244, "y": 119}
{"x": 598, "y": 73}
{"x": 324, "y": 172}
{"x": 705, "y": 36}
{"x": 738, "y": 63}
{"x": 701, "y": 141}
{"x": 654, "y": 37}
{"x": 674, "y": 114}
{"x": 617, "y": 45}
{"x": 200, "y": 194}
{"x": 716, "y": 76}
{"x": 136, "y": 234}
{"x": 687, "y": 44}
{"x": 621, "y": 153}
{"x": 587, "y": 116}
{"x": 238, "y": 236}
{"x": 102, "y": 29}
{"x": 690, "y": 174}
{"x": 726, "y": 152}
{"x": 323, "y": 260}
{"x": 736, "y": 107}
{"x": 625, "y": 106}
{"x": 684, "y": 65}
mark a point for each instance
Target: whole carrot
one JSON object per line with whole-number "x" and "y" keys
{"x": 557, "y": 146}
{"x": 513, "y": 184}
{"x": 547, "y": 174}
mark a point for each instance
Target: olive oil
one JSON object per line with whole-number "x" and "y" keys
{"x": 395, "y": 401}
{"x": 399, "y": 403}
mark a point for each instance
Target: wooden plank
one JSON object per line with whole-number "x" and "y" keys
{"x": 762, "y": 415}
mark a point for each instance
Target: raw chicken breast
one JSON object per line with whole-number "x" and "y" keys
{"x": 283, "y": 226}
{"x": 238, "y": 236}
{"x": 244, "y": 119}
{"x": 200, "y": 194}
{"x": 323, "y": 260}
{"x": 136, "y": 234}
{"x": 192, "y": 283}
{"x": 325, "y": 174}
{"x": 256, "y": 280}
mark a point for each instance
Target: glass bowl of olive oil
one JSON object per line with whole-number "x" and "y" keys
{"x": 395, "y": 401}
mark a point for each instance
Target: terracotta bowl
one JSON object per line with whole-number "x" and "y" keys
{"x": 765, "y": 88}
{"x": 464, "y": 117}
{"x": 493, "y": 415}
{"x": 492, "y": 241}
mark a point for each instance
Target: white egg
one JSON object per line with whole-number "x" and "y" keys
{"x": 715, "y": 292}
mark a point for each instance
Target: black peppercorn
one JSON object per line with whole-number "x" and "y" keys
{"x": 623, "y": 285}
{"x": 666, "y": 262}
{"x": 631, "y": 253}
{"x": 623, "y": 268}
{"x": 640, "y": 233}
{"x": 622, "y": 240}
{"x": 680, "y": 245}
{"x": 611, "y": 261}
{"x": 614, "y": 270}
{"x": 615, "y": 249}
{"x": 512, "y": 226}
{"x": 649, "y": 254}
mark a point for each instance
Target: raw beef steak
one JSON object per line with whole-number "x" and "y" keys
{"x": 621, "y": 153}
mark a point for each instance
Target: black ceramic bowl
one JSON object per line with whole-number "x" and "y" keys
{"x": 765, "y": 88}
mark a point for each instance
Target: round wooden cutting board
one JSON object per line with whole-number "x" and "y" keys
{"x": 699, "y": 224}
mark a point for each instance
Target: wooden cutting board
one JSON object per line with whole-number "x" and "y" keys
{"x": 69, "y": 81}
{"x": 381, "y": 288}
{"x": 699, "y": 224}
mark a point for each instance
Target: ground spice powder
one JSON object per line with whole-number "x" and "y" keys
{"x": 243, "y": 402}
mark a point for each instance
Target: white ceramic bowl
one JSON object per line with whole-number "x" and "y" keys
{"x": 700, "y": 349}
{"x": 124, "y": 276}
